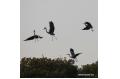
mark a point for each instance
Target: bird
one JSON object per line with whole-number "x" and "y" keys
{"x": 73, "y": 55}
{"x": 88, "y": 26}
{"x": 51, "y": 30}
{"x": 33, "y": 37}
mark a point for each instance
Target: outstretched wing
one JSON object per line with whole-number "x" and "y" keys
{"x": 88, "y": 26}
{"x": 72, "y": 52}
{"x": 78, "y": 54}
{"x": 30, "y": 38}
{"x": 52, "y": 28}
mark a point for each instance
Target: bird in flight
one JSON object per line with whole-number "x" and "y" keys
{"x": 33, "y": 37}
{"x": 88, "y": 26}
{"x": 51, "y": 30}
{"x": 73, "y": 55}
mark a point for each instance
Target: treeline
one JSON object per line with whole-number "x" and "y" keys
{"x": 90, "y": 69}
{"x": 53, "y": 68}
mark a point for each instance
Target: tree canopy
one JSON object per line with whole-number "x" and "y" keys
{"x": 52, "y": 68}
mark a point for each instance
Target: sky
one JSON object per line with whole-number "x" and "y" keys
{"x": 68, "y": 17}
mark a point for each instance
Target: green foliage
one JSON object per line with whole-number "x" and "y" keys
{"x": 90, "y": 69}
{"x": 54, "y": 68}
{"x": 47, "y": 68}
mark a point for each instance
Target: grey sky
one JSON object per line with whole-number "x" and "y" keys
{"x": 68, "y": 17}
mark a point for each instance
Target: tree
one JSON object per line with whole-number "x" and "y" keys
{"x": 47, "y": 68}
{"x": 90, "y": 69}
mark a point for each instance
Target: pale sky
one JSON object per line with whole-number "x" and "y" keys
{"x": 68, "y": 17}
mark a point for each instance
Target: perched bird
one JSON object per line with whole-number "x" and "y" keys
{"x": 33, "y": 37}
{"x": 73, "y": 55}
{"x": 51, "y": 30}
{"x": 88, "y": 26}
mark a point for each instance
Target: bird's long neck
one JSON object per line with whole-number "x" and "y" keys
{"x": 46, "y": 30}
{"x": 34, "y": 32}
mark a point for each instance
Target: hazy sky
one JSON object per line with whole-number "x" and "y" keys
{"x": 68, "y": 17}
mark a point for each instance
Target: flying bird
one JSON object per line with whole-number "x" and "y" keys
{"x": 33, "y": 37}
{"x": 51, "y": 30}
{"x": 73, "y": 55}
{"x": 88, "y": 26}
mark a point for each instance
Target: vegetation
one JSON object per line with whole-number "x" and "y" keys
{"x": 52, "y": 68}
{"x": 89, "y": 69}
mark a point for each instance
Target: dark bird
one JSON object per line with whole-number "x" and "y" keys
{"x": 88, "y": 26}
{"x": 73, "y": 55}
{"x": 51, "y": 30}
{"x": 33, "y": 37}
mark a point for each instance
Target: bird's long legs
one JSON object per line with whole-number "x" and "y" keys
{"x": 54, "y": 37}
{"x": 76, "y": 59}
{"x": 35, "y": 40}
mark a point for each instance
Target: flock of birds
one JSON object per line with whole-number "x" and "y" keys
{"x": 72, "y": 54}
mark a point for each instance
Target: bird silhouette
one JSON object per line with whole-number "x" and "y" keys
{"x": 33, "y": 37}
{"x": 88, "y": 26}
{"x": 51, "y": 30}
{"x": 73, "y": 55}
